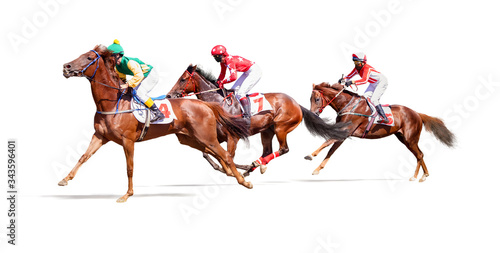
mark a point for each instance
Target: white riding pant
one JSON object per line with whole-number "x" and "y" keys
{"x": 376, "y": 90}
{"x": 147, "y": 85}
{"x": 247, "y": 81}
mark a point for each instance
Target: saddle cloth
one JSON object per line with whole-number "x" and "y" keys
{"x": 162, "y": 103}
{"x": 258, "y": 103}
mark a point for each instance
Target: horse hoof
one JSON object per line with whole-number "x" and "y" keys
{"x": 248, "y": 185}
{"x": 263, "y": 169}
{"x": 413, "y": 179}
{"x": 63, "y": 183}
{"x": 121, "y": 200}
{"x": 422, "y": 179}
{"x": 315, "y": 172}
{"x": 308, "y": 157}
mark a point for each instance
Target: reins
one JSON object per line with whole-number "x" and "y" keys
{"x": 227, "y": 98}
{"x": 190, "y": 80}
{"x": 323, "y": 105}
{"x": 122, "y": 91}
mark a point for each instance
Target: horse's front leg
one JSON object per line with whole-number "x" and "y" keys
{"x": 323, "y": 146}
{"x": 96, "y": 142}
{"x": 330, "y": 153}
{"x": 128, "y": 148}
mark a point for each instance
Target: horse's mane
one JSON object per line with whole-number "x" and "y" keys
{"x": 206, "y": 75}
{"x": 109, "y": 61}
{"x": 326, "y": 87}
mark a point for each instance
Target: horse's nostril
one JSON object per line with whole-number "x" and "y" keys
{"x": 168, "y": 96}
{"x": 67, "y": 66}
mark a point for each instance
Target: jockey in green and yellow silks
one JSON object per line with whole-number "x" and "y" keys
{"x": 144, "y": 77}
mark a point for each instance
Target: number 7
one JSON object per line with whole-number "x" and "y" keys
{"x": 261, "y": 103}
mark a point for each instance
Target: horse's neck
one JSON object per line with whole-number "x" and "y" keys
{"x": 210, "y": 97}
{"x": 341, "y": 101}
{"x": 105, "y": 98}
{"x": 230, "y": 104}
{"x": 203, "y": 87}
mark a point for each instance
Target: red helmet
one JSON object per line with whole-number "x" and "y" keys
{"x": 219, "y": 50}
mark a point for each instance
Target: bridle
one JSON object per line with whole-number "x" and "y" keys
{"x": 323, "y": 99}
{"x": 95, "y": 70}
{"x": 122, "y": 92}
{"x": 191, "y": 81}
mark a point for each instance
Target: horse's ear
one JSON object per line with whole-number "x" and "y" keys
{"x": 191, "y": 68}
{"x": 194, "y": 67}
{"x": 314, "y": 85}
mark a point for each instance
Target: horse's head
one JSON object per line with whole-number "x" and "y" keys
{"x": 185, "y": 84}
{"x": 322, "y": 95}
{"x": 85, "y": 64}
{"x": 193, "y": 80}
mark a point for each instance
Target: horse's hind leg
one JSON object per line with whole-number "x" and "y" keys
{"x": 226, "y": 161}
{"x": 327, "y": 158}
{"x": 96, "y": 142}
{"x": 412, "y": 145}
{"x": 323, "y": 146}
{"x": 187, "y": 140}
{"x": 266, "y": 138}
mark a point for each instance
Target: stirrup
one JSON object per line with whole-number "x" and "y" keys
{"x": 157, "y": 115}
{"x": 383, "y": 120}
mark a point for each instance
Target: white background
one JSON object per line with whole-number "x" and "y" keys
{"x": 441, "y": 58}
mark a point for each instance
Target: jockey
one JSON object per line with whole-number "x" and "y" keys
{"x": 245, "y": 83}
{"x": 378, "y": 82}
{"x": 145, "y": 77}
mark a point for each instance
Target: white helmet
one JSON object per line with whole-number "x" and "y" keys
{"x": 359, "y": 57}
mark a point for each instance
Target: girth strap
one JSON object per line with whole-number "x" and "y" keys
{"x": 146, "y": 125}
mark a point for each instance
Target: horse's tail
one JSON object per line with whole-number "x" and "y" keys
{"x": 319, "y": 127}
{"x": 236, "y": 127}
{"x": 438, "y": 129}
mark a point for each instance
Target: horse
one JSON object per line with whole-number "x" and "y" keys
{"x": 285, "y": 116}
{"x": 351, "y": 107}
{"x": 196, "y": 125}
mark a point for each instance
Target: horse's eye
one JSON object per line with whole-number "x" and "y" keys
{"x": 88, "y": 58}
{"x": 317, "y": 100}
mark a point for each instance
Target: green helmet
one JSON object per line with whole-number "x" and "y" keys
{"x": 116, "y": 48}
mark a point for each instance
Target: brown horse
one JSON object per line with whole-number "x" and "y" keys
{"x": 354, "y": 108}
{"x": 285, "y": 116}
{"x": 196, "y": 124}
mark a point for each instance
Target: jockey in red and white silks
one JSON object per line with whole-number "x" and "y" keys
{"x": 378, "y": 82}
{"x": 250, "y": 77}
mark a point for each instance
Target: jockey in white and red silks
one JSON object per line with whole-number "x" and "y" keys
{"x": 250, "y": 77}
{"x": 368, "y": 74}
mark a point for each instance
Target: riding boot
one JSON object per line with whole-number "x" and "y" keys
{"x": 382, "y": 115}
{"x": 246, "y": 109}
{"x": 157, "y": 114}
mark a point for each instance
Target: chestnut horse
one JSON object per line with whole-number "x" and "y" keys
{"x": 285, "y": 116}
{"x": 354, "y": 108}
{"x": 196, "y": 124}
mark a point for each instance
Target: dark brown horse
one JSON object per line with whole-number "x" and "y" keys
{"x": 196, "y": 124}
{"x": 354, "y": 108}
{"x": 285, "y": 116}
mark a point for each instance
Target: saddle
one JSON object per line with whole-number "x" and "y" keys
{"x": 143, "y": 115}
{"x": 372, "y": 117}
{"x": 258, "y": 102}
